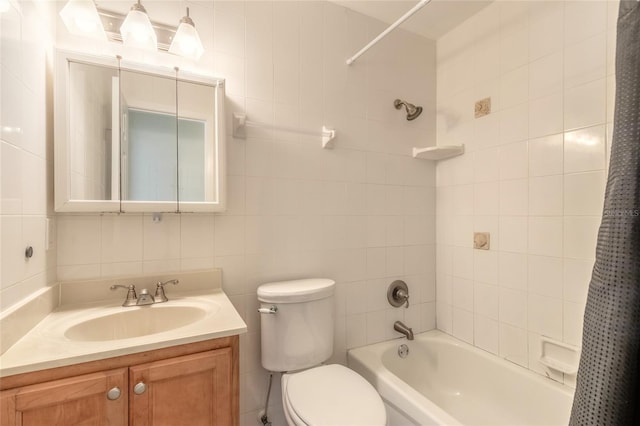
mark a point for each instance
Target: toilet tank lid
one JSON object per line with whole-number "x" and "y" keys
{"x": 296, "y": 291}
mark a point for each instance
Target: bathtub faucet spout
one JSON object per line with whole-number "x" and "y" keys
{"x": 401, "y": 328}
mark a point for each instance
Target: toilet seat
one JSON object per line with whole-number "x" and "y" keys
{"x": 331, "y": 395}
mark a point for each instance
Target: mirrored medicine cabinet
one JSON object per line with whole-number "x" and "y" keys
{"x": 131, "y": 138}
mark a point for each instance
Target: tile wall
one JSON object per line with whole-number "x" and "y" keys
{"x": 362, "y": 213}
{"x": 533, "y": 174}
{"x": 26, "y": 147}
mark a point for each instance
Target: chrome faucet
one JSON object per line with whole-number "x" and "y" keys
{"x": 401, "y": 328}
{"x": 144, "y": 298}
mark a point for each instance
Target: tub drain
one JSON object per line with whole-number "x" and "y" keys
{"x": 403, "y": 351}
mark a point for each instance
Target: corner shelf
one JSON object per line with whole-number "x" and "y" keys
{"x": 436, "y": 153}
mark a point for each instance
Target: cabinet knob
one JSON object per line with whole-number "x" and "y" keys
{"x": 113, "y": 394}
{"x": 139, "y": 388}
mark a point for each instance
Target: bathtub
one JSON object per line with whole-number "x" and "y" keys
{"x": 443, "y": 381}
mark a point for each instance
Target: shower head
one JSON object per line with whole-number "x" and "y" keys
{"x": 412, "y": 111}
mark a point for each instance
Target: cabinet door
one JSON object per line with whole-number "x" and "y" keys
{"x": 194, "y": 390}
{"x": 81, "y": 400}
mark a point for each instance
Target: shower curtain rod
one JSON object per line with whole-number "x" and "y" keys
{"x": 414, "y": 9}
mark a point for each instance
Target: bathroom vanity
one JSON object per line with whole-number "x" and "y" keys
{"x": 194, "y": 384}
{"x": 100, "y": 363}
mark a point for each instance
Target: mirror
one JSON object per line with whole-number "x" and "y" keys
{"x": 132, "y": 139}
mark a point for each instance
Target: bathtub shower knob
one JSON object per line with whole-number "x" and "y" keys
{"x": 113, "y": 394}
{"x": 398, "y": 294}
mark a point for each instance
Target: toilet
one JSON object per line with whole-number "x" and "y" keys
{"x": 297, "y": 337}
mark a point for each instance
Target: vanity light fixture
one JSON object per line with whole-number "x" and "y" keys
{"x": 81, "y": 18}
{"x": 187, "y": 42}
{"x": 137, "y": 31}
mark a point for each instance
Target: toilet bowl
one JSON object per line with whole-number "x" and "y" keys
{"x": 297, "y": 338}
{"x": 331, "y": 395}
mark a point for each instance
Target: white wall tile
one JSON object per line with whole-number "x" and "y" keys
{"x": 486, "y": 198}
{"x": 585, "y": 61}
{"x": 463, "y": 325}
{"x": 545, "y": 75}
{"x": 545, "y": 235}
{"x": 78, "y": 240}
{"x": 584, "y": 150}
{"x": 513, "y": 270}
{"x": 486, "y": 165}
{"x": 545, "y": 196}
{"x": 583, "y": 19}
{"x": 486, "y": 300}
{"x": 121, "y": 238}
{"x": 514, "y": 123}
{"x": 546, "y": 156}
{"x": 572, "y": 323}
{"x": 13, "y": 260}
{"x": 486, "y": 334}
{"x": 161, "y": 239}
{"x": 546, "y": 276}
{"x": 514, "y": 197}
{"x": 513, "y": 344}
{"x": 444, "y": 317}
{"x": 546, "y": 115}
{"x": 545, "y": 316}
{"x": 463, "y": 262}
{"x": 585, "y": 105}
{"x": 514, "y": 89}
{"x": 577, "y": 275}
{"x": 546, "y": 28}
{"x": 584, "y": 193}
{"x": 463, "y": 294}
{"x": 513, "y": 161}
{"x": 580, "y": 236}
{"x": 513, "y": 307}
{"x": 513, "y": 234}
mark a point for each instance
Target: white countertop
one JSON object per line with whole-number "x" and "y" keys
{"x": 46, "y": 345}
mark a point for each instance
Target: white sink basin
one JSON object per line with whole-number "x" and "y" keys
{"x": 137, "y": 322}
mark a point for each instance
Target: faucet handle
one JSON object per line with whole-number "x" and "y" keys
{"x": 398, "y": 294}
{"x": 131, "y": 298}
{"x": 160, "y": 296}
{"x": 403, "y": 295}
{"x": 162, "y": 284}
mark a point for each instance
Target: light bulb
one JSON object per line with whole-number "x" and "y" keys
{"x": 84, "y": 24}
{"x": 81, "y": 18}
{"x": 4, "y": 6}
{"x": 186, "y": 41}
{"x": 137, "y": 31}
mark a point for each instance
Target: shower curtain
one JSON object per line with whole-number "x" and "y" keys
{"x": 608, "y": 386}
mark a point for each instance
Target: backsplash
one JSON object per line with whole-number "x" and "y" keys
{"x": 533, "y": 174}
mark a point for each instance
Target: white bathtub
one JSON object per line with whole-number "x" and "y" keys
{"x": 447, "y": 382}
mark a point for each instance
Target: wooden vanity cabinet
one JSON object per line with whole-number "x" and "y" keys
{"x": 194, "y": 384}
{"x": 77, "y": 400}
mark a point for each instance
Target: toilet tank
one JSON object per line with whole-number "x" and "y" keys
{"x": 299, "y": 334}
